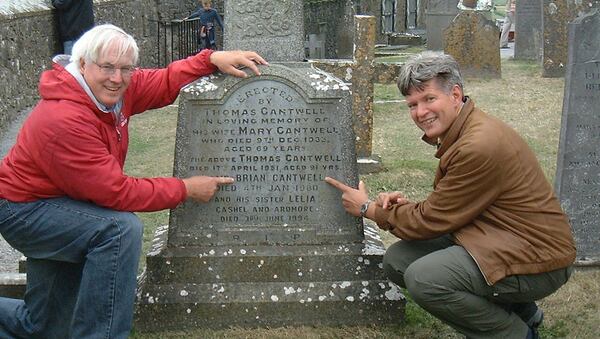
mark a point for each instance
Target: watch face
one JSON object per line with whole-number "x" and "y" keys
{"x": 364, "y": 208}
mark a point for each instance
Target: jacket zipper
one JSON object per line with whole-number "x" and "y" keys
{"x": 117, "y": 126}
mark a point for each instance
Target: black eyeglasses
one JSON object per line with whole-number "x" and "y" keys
{"x": 110, "y": 70}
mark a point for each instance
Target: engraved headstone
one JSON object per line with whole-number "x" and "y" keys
{"x": 439, "y": 16}
{"x": 473, "y": 40}
{"x": 578, "y": 166}
{"x": 276, "y": 248}
{"x": 279, "y": 145}
{"x": 274, "y": 29}
{"x": 528, "y": 30}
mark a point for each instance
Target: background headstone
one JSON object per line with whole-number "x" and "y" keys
{"x": 528, "y": 30}
{"x": 556, "y": 16}
{"x": 473, "y": 41}
{"x": 439, "y": 16}
{"x": 578, "y": 166}
{"x": 267, "y": 27}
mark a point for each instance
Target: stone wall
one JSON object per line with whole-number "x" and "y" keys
{"x": 29, "y": 39}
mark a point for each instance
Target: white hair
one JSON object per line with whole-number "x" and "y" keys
{"x": 95, "y": 42}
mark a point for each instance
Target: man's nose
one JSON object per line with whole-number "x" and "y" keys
{"x": 117, "y": 76}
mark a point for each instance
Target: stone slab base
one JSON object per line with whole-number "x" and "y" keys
{"x": 266, "y": 286}
{"x": 181, "y": 306}
{"x": 396, "y": 39}
{"x": 12, "y": 285}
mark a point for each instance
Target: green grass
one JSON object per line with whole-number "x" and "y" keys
{"x": 529, "y": 103}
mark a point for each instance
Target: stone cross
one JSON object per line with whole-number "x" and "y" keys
{"x": 274, "y": 29}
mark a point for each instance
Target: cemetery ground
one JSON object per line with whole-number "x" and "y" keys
{"x": 529, "y": 103}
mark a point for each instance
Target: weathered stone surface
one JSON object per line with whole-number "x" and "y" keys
{"x": 276, "y": 247}
{"x": 578, "y": 167}
{"x": 362, "y": 84}
{"x": 528, "y": 30}
{"x": 332, "y": 19}
{"x": 278, "y": 139}
{"x": 556, "y": 16}
{"x": 439, "y": 16}
{"x": 383, "y": 72}
{"x": 267, "y": 29}
{"x": 473, "y": 41}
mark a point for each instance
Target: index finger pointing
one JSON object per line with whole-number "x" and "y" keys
{"x": 336, "y": 184}
{"x": 224, "y": 180}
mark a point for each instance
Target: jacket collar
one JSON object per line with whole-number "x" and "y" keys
{"x": 456, "y": 127}
{"x": 454, "y": 130}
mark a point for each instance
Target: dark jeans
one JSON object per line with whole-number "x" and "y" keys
{"x": 444, "y": 279}
{"x": 81, "y": 269}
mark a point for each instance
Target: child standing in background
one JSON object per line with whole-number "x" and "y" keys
{"x": 208, "y": 16}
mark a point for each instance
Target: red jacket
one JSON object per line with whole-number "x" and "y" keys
{"x": 68, "y": 147}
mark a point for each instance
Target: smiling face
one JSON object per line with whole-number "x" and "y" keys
{"x": 108, "y": 88}
{"x": 433, "y": 109}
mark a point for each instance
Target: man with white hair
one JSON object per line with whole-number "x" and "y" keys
{"x": 65, "y": 201}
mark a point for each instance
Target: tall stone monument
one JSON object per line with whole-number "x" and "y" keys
{"x": 274, "y": 29}
{"x": 473, "y": 41}
{"x": 276, "y": 248}
{"x": 578, "y": 166}
{"x": 439, "y": 16}
{"x": 528, "y": 30}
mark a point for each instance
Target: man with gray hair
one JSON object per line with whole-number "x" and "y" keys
{"x": 491, "y": 238}
{"x": 65, "y": 201}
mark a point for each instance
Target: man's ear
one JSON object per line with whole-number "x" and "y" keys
{"x": 81, "y": 65}
{"x": 457, "y": 93}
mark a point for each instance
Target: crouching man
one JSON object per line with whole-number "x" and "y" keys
{"x": 491, "y": 238}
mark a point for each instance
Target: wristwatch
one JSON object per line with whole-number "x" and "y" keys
{"x": 364, "y": 208}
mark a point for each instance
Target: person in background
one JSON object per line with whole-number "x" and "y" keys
{"x": 491, "y": 238}
{"x": 65, "y": 202}
{"x": 508, "y": 22}
{"x": 208, "y": 16}
{"x": 74, "y": 18}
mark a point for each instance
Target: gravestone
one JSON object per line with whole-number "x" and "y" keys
{"x": 528, "y": 30}
{"x": 556, "y": 16}
{"x": 578, "y": 166}
{"x": 276, "y": 248}
{"x": 439, "y": 16}
{"x": 473, "y": 41}
{"x": 274, "y": 29}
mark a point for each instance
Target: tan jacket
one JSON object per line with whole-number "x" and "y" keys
{"x": 491, "y": 194}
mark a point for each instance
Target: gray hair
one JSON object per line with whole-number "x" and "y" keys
{"x": 95, "y": 41}
{"x": 427, "y": 66}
